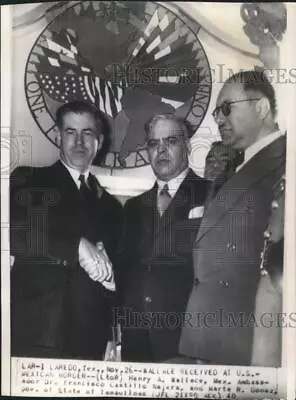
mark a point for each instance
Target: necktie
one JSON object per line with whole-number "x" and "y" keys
{"x": 164, "y": 199}
{"x": 84, "y": 189}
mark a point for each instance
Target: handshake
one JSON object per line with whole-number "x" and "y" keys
{"x": 96, "y": 263}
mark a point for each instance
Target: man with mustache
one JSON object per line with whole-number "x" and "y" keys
{"x": 63, "y": 225}
{"x": 227, "y": 248}
{"x": 159, "y": 228}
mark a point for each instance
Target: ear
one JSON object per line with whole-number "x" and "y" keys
{"x": 100, "y": 141}
{"x": 58, "y": 138}
{"x": 263, "y": 108}
{"x": 188, "y": 146}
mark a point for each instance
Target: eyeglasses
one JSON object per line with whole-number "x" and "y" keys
{"x": 225, "y": 107}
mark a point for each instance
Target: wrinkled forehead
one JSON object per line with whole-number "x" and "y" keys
{"x": 165, "y": 128}
{"x": 232, "y": 91}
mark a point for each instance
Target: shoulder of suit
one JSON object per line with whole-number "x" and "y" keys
{"x": 20, "y": 171}
{"x": 197, "y": 179}
{"x": 102, "y": 193}
{"x": 280, "y": 145}
{"x": 27, "y": 174}
{"x": 139, "y": 200}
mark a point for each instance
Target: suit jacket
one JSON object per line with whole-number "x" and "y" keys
{"x": 156, "y": 270}
{"x": 56, "y": 308}
{"x": 226, "y": 257}
{"x": 266, "y": 351}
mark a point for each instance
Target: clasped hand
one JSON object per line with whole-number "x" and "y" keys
{"x": 96, "y": 263}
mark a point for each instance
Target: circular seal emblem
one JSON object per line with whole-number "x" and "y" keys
{"x": 131, "y": 59}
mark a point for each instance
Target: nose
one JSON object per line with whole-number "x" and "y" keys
{"x": 79, "y": 138}
{"x": 161, "y": 146}
{"x": 219, "y": 117}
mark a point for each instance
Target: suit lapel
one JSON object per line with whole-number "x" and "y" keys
{"x": 150, "y": 214}
{"x": 66, "y": 187}
{"x": 268, "y": 159}
{"x": 179, "y": 206}
{"x": 64, "y": 180}
{"x": 95, "y": 186}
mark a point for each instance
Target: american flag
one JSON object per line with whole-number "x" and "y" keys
{"x": 65, "y": 75}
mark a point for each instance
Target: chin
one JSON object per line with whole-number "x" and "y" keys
{"x": 163, "y": 174}
{"x": 81, "y": 166}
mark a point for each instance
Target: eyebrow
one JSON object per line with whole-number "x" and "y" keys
{"x": 74, "y": 129}
{"x": 167, "y": 137}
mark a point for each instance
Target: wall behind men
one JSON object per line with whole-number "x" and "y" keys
{"x": 227, "y": 48}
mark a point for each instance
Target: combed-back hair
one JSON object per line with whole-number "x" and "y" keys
{"x": 257, "y": 81}
{"x": 184, "y": 125}
{"x": 81, "y": 107}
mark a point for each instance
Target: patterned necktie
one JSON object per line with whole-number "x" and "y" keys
{"x": 164, "y": 199}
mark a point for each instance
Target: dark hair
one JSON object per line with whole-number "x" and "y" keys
{"x": 256, "y": 80}
{"x": 167, "y": 117}
{"x": 81, "y": 107}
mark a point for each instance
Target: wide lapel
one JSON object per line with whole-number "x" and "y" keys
{"x": 97, "y": 190}
{"x": 268, "y": 159}
{"x": 179, "y": 206}
{"x": 65, "y": 183}
{"x": 149, "y": 214}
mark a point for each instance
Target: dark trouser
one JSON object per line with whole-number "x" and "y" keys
{"x": 136, "y": 346}
{"x": 39, "y": 352}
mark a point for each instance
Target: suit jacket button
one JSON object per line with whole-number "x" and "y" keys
{"x": 224, "y": 283}
{"x": 231, "y": 246}
{"x": 196, "y": 281}
{"x": 148, "y": 299}
{"x": 65, "y": 263}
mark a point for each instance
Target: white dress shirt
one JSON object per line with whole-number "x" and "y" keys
{"x": 173, "y": 184}
{"x": 252, "y": 150}
{"x": 76, "y": 174}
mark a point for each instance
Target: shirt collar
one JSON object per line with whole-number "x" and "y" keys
{"x": 251, "y": 151}
{"x": 75, "y": 174}
{"x": 174, "y": 183}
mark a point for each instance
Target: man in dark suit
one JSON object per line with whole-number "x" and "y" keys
{"x": 227, "y": 248}
{"x": 63, "y": 225}
{"x": 156, "y": 258}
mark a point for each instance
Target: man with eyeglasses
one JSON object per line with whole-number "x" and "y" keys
{"x": 227, "y": 248}
{"x": 160, "y": 226}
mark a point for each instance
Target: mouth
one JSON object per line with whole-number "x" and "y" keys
{"x": 79, "y": 151}
{"x": 163, "y": 161}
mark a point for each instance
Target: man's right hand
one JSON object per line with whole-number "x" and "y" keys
{"x": 98, "y": 267}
